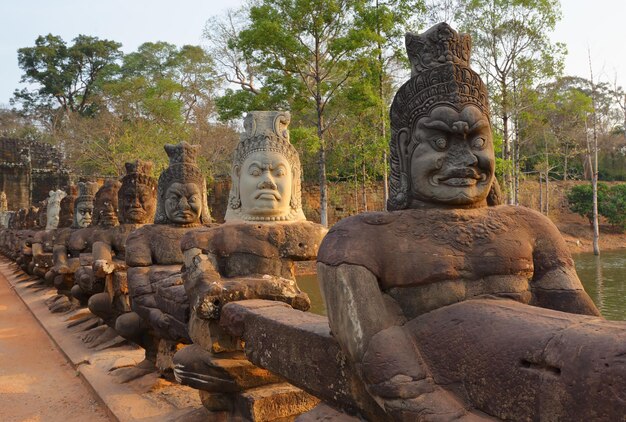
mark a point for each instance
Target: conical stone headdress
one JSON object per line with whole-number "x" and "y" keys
{"x": 440, "y": 75}
{"x": 182, "y": 169}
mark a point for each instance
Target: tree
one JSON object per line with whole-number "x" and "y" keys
{"x": 382, "y": 25}
{"x": 514, "y": 51}
{"x": 311, "y": 46}
{"x": 580, "y": 199}
{"x": 68, "y": 76}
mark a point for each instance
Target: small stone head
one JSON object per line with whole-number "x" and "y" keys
{"x": 441, "y": 147}
{"x": 181, "y": 192}
{"x": 53, "y": 208}
{"x": 137, "y": 196}
{"x": 83, "y": 206}
{"x": 266, "y": 171}
{"x": 105, "y": 205}
{"x": 66, "y": 213}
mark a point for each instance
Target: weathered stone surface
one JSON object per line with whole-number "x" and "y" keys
{"x": 219, "y": 373}
{"x": 519, "y": 362}
{"x": 324, "y": 413}
{"x": 298, "y": 346}
{"x": 29, "y": 169}
{"x": 273, "y": 402}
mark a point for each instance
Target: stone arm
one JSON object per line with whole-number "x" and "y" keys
{"x": 208, "y": 291}
{"x": 59, "y": 257}
{"x": 37, "y": 249}
{"x": 555, "y": 284}
{"x": 103, "y": 261}
{"x": 368, "y": 325}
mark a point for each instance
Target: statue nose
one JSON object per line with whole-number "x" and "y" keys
{"x": 267, "y": 183}
{"x": 462, "y": 156}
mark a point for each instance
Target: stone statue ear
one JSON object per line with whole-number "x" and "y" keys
{"x": 403, "y": 140}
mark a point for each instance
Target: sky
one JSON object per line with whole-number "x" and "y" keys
{"x": 596, "y": 26}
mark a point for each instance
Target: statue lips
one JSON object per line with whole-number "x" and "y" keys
{"x": 267, "y": 194}
{"x": 460, "y": 177}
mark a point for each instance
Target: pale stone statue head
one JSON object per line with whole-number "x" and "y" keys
{"x": 53, "y": 208}
{"x": 266, "y": 171}
{"x": 137, "y": 196}
{"x": 181, "y": 192}
{"x": 83, "y": 206}
{"x": 105, "y": 204}
{"x": 441, "y": 146}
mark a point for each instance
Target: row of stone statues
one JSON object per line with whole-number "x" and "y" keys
{"x": 450, "y": 306}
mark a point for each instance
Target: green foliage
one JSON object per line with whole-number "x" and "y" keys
{"x": 614, "y": 206}
{"x": 104, "y": 108}
{"x": 580, "y": 199}
{"x": 70, "y": 76}
{"x": 611, "y": 202}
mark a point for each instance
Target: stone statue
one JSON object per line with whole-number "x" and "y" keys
{"x": 251, "y": 256}
{"x": 81, "y": 241}
{"x": 159, "y": 304}
{"x": 30, "y": 226}
{"x": 137, "y": 206}
{"x": 60, "y": 212}
{"x": 446, "y": 241}
{"x": 65, "y": 257}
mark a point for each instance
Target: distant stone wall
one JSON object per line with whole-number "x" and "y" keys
{"x": 29, "y": 170}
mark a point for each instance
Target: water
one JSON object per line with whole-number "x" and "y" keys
{"x": 309, "y": 284}
{"x": 604, "y": 278}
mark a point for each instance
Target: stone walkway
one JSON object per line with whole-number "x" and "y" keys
{"x": 48, "y": 373}
{"x": 36, "y": 381}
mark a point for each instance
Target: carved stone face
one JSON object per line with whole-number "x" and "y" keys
{"x": 183, "y": 203}
{"x": 138, "y": 204}
{"x": 53, "y": 209}
{"x": 453, "y": 162}
{"x": 265, "y": 180}
{"x": 84, "y": 212}
{"x": 105, "y": 205}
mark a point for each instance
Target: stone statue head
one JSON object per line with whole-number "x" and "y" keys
{"x": 105, "y": 204}
{"x": 266, "y": 171}
{"x": 441, "y": 142}
{"x": 53, "y": 208}
{"x": 31, "y": 218}
{"x": 137, "y": 196}
{"x": 83, "y": 206}
{"x": 181, "y": 191}
{"x": 4, "y": 205}
{"x": 66, "y": 212}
